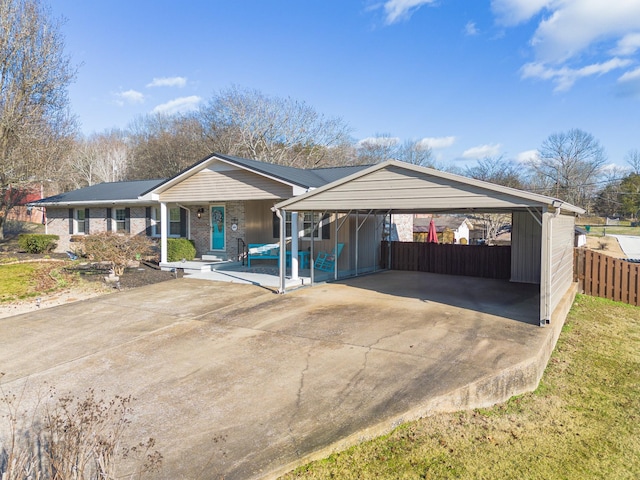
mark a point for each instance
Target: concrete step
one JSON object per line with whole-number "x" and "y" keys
{"x": 190, "y": 266}
{"x": 214, "y": 257}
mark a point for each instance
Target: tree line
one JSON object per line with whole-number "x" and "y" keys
{"x": 40, "y": 143}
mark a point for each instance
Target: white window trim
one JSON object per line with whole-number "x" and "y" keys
{"x": 114, "y": 220}
{"x": 318, "y": 225}
{"x": 155, "y": 222}
{"x": 76, "y": 222}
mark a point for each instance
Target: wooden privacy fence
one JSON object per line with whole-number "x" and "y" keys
{"x": 469, "y": 260}
{"x": 607, "y": 277}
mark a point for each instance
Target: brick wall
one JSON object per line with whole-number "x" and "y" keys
{"x": 58, "y": 223}
{"x": 201, "y": 228}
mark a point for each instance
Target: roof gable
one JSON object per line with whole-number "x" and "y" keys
{"x": 394, "y": 185}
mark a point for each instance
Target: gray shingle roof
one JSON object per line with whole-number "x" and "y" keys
{"x": 315, "y": 177}
{"x": 102, "y": 192}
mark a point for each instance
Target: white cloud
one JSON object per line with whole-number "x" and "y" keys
{"x": 437, "y": 142}
{"x": 482, "y": 151}
{"x": 573, "y": 38}
{"x": 380, "y": 141}
{"x": 527, "y": 156}
{"x": 564, "y": 77}
{"x": 168, "y": 82}
{"x": 470, "y": 29}
{"x": 130, "y": 97}
{"x": 178, "y": 105}
{"x": 398, "y": 10}
{"x": 629, "y": 84}
{"x": 513, "y": 12}
{"x": 627, "y": 45}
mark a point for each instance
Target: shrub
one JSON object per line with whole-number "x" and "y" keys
{"x": 119, "y": 250}
{"x": 179, "y": 248}
{"x": 73, "y": 437}
{"x": 37, "y": 243}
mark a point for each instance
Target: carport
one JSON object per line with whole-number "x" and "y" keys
{"x": 542, "y": 227}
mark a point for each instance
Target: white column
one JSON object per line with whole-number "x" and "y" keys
{"x": 163, "y": 232}
{"x": 295, "y": 234}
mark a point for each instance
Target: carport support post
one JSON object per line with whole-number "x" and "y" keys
{"x": 295, "y": 229}
{"x": 282, "y": 215}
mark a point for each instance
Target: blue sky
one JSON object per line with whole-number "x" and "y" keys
{"x": 470, "y": 78}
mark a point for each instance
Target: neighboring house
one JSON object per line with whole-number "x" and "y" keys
{"x": 459, "y": 226}
{"x": 23, "y": 213}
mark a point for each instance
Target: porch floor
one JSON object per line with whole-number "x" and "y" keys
{"x": 235, "y": 272}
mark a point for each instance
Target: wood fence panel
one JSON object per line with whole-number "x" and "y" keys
{"x": 468, "y": 260}
{"x": 607, "y": 277}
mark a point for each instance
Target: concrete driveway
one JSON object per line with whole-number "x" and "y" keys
{"x": 235, "y": 381}
{"x": 630, "y": 245}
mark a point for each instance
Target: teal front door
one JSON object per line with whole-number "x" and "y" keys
{"x": 217, "y": 227}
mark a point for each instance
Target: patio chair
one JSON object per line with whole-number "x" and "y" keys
{"x": 327, "y": 261}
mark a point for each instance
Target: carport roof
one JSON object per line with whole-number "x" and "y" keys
{"x": 398, "y": 186}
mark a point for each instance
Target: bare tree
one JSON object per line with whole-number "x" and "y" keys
{"x": 162, "y": 146}
{"x": 383, "y": 147}
{"x": 569, "y": 166}
{"x": 379, "y": 148}
{"x": 35, "y": 127}
{"x": 99, "y": 158}
{"x": 277, "y": 130}
{"x": 415, "y": 153}
{"x": 497, "y": 170}
{"x": 633, "y": 159}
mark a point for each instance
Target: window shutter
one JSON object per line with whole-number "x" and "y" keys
{"x": 109, "y": 226}
{"x": 147, "y": 219}
{"x": 86, "y": 221}
{"x": 183, "y": 223}
{"x": 326, "y": 226}
{"x": 71, "y": 221}
{"x": 127, "y": 220}
{"x": 276, "y": 226}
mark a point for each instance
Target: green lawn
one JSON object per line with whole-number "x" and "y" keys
{"x": 23, "y": 280}
{"x": 600, "y": 230}
{"x": 582, "y": 422}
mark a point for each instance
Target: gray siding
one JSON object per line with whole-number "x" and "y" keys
{"x": 562, "y": 237}
{"x": 397, "y": 188}
{"x": 526, "y": 247}
{"x": 259, "y": 222}
{"x": 217, "y": 186}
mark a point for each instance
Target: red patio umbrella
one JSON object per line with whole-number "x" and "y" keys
{"x": 432, "y": 236}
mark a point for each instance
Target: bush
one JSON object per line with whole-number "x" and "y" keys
{"x": 37, "y": 243}
{"x": 179, "y": 248}
{"x": 119, "y": 250}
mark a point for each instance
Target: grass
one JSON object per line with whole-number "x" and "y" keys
{"x": 600, "y": 230}
{"x": 23, "y": 280}
{"x": 582, "y": 422}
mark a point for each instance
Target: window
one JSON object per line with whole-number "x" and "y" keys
{"x": 309, "y": 220}
{"x": 174, "y": 222}
{"x": 80, "y": 219}
{"x": 121, "y": 220}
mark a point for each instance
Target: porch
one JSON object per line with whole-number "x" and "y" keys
{"x": 260, "y": 274}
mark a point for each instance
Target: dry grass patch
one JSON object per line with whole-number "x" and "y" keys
{"x": 582, "y": 422}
